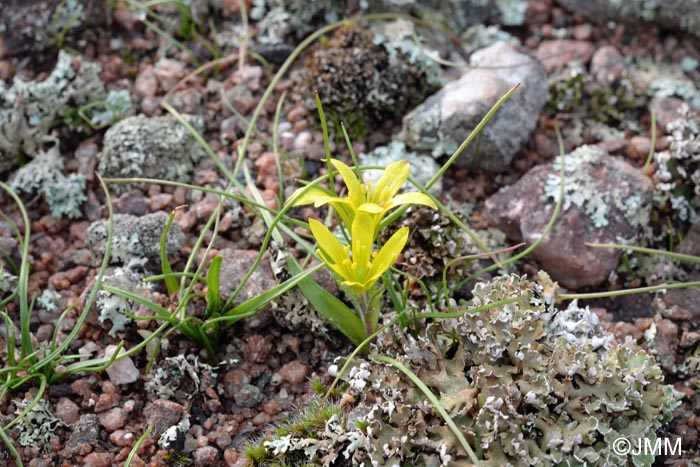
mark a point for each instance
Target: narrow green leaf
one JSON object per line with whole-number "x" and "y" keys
{"x": 213, "y": 297}
{"x": 170, "y": 281}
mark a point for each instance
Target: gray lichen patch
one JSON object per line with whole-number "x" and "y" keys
{"x": 527, "y": 384}
{"x": 44, "y": 175}
{"x": 115, "y": 307}
{"x": 135, "y": 237}
{"x": 39, "y": 426}
{"x": 155, "y": 147}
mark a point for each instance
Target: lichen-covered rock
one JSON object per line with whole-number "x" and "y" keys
{"x": 135, "y": 237}
{"x": 674, "y": 14}
{"x": 525, "y": 383}
{"x": 606, "y": 200}
{"x": 44, "y": 175}
{"x": 157, "y": 147}
{"x": 29, "y": 109}
{"x": 446, "y": 118}
{"x": 365, "y": 78}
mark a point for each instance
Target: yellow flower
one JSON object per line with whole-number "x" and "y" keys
{"x": 375, "y": 200}
{"x": 358, "y": 267}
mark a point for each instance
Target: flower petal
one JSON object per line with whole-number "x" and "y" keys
{"x": 331, "y": 246}
{"x": 355, "y": 194}
{"x": 307, "y": 195}
{"x": 362, "y": 241}
{"x": 371, "y": 208}
{"x": 391, "y": 181}
{"x": 388, "y": 254}
{"x": 412, "y": 197}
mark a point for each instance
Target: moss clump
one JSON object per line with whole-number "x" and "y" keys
{"x": 361, "y": 81}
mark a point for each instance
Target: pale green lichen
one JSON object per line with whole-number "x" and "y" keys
{"x": 39, "y": 426}
{"x": 678, "y": 168}
{"x": 44, "y": 175}
{"x": 526, "y": 383}
{"x": 583, "y": 191}
{"x": 114, "y": 307}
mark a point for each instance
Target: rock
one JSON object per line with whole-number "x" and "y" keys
{"x": 248, "y": 396}
{"x": 168, "y": 73}
{"x": 146, "y": 83}
{"x": 293, "y": 372}
{"x": 163, "y": 414}
{"x": 607, "y": 64}
{"x": 666, "y": 110}
{"x": 206, "y": 456}
{"x": 131, "y": 149}
{"x": 674, "y": 14}
{"x": 682, "y": 304}
{"x": 559, "y": 54}
{"x": 67, "y": 411}
{"x": 606, "y": 200}
{"x": 123, "y": 370}
{"x": 237, "y": 263}
{"x": 83, "y": 437}
{"x": 98, "y": 459}
{"x": 445, "y": 119}
{"x": 135, "y": 237}
{"x": 690, "y": 245}
{"x": 666, "y": 344}
{"x": 422, "y": 167}
{"x": 112, "y": 419}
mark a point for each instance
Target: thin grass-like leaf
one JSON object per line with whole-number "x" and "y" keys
{"x": 170, "y": 282}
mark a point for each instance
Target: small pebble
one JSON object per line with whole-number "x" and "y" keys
{"x": 122, "y": 371}
{"x": 98, "y": 459}
{"x": 206, "y": 456}
{"x": 67, "y": 411}
{"x": 113, "y": 419}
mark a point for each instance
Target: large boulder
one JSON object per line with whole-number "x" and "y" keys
{"x": 446, "y": 118}
{"x": 606, "y": 200}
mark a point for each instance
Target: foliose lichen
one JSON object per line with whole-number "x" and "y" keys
{"x": 29, "y": 109}
{"x": 38, "y": 426}
{"x": 677, "y": 175}
{"x": 114, "y": 307}
{"x": 44, "y": 175}
{"x": 526, "y": 383}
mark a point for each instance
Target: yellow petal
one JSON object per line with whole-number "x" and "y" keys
{"x": 358, "y": 288}
{"x": 412, "y": 197}
{"x": 391, "y": 181}
{"x": 307, "y": 195}
{"x": 362, "y": 239}
{"x": 351, "y": 182}
{"x": 388, "y": 254}
{"x": 371, "y": 208}
{"x": 332, "y": 248}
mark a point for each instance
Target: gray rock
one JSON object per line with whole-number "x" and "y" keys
{"x": 248, "y": 396}
{"x": 606, "y": 200}
{"x": 422, "y": 167}
{"x": 157, "y": 147}
{"x": 135, "y": 237}
{"x": 446, "y": 118}
{"x": 122, "y": 371}
{"x": 673, "y": 14}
